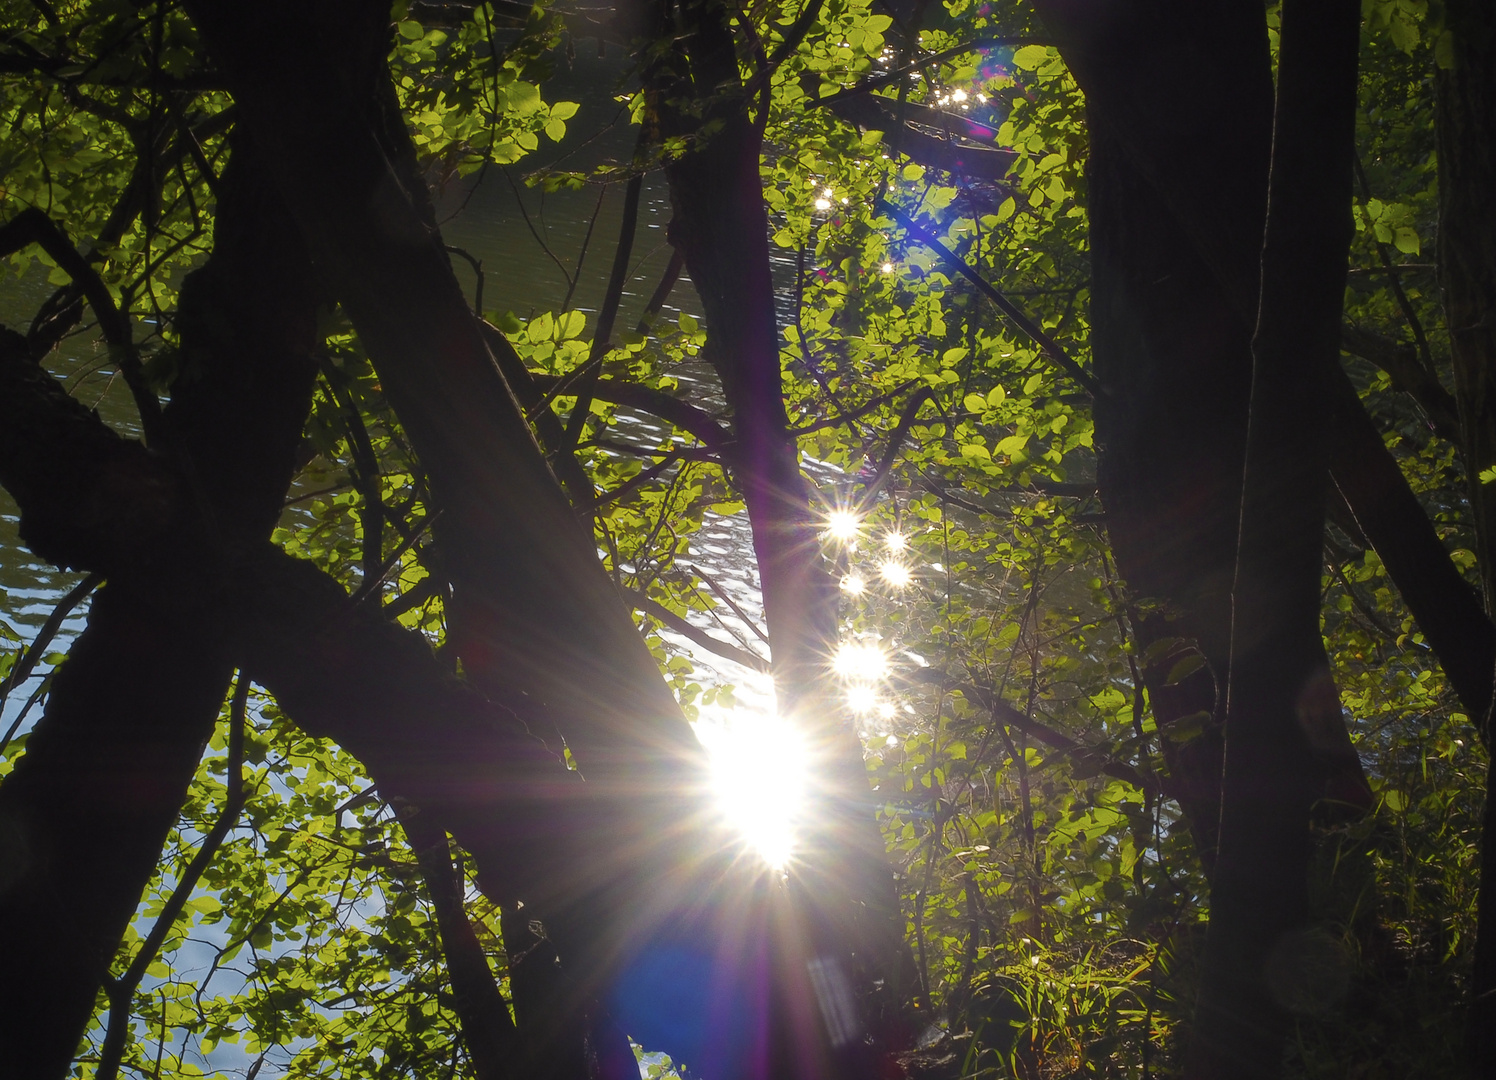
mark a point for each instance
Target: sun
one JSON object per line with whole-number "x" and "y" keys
{"x": 896, "y": 574}
{"x": 843, "y": 525}
{"x": 860, "y": 661}
{"x": 759, "y": 773}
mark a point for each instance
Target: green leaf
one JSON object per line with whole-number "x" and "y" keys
{"x": 1031, "y": 57}
{"x": 1184, "y": 668}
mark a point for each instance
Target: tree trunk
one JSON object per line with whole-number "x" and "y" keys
{"x": 1465, "y": 114}
{"x": 1282, "y": 707}
{"x": 1172, "y": 345}
{"x": 85, "y": 812}
{"x": 533, "y": 612}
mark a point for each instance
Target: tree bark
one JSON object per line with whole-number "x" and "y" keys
{"x": 84, "y": 814}
{"x": 1282, "y": 707}
{"x": 1465, "y": 121}
{"x": 1172, "y": 345}
{"x": 1154, "y": 405}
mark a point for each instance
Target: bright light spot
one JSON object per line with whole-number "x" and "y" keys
{"x": 888, "y": 268}
{"x": 895, "y": 541}
{"x": 826, "y": 193}
{"x": 959, "y": 95}
{"x": 860, "y": 661}
{"x": 823, "y": 204}
{"x": 853, "y": 584}
{"x": 862, "y": 698}
{"x": 843, "y": 525}
{"x": 888, "y": 710}
{"x": 895, "y": 573}
{"x": 760, "y": 769}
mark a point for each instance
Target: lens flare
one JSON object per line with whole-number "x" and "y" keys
{"x": 853, "y": 584}
{"x": 759, "y": 772}
{"x": 843, "y": 525}
{"x": 862, "y": 698}
{"x": 895, "y": 541}
{"x": 895, "y": 574}
{"x": 860, "y": 661}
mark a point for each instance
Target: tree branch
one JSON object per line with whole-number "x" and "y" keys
{"x": 681, "y": 626}
{"x": 682, "y": 414}
{"x": 31, "y": 226}
{"x": 1408, "y": 375}
{"x": 1048, "y": 347}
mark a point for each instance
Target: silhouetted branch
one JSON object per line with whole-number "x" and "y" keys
{"x": 694, "y": 633}
{"x": 31, "y": 226}
{"x": 1047, "y": 345}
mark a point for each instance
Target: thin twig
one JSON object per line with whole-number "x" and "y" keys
{"x": 477, "y": 265}
{"x": 1048, "y": 347}
{"x": 895, "y": 444}
{"x": 728, "y": 600}
{"x": 33, "y": 652}
{"x": 606, "y": 316}
{"x": 582, "y": 254}
{"x": 524, "y": 213}
{"x": 662, "y": 290}
{"x": 679, "y": 624}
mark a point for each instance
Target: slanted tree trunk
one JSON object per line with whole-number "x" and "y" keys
{"x": 88, "y": 807}
{"x": 533, "y": 612}
{"x": 92, "y": 499}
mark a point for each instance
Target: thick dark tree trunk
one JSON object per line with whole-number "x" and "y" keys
{"x": 1174, "y": 369}
{"x": 1465, "y": 116}
{"x": 91, "y": 499}
{"x": 1282, "y": 707}
{"x": 1168, "y": 505}
{"x": 1466, "y": 122}
{"x": 84, "y": 815}
{"x": 85, "y": 812}
{"x": 1172, "y": 345}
